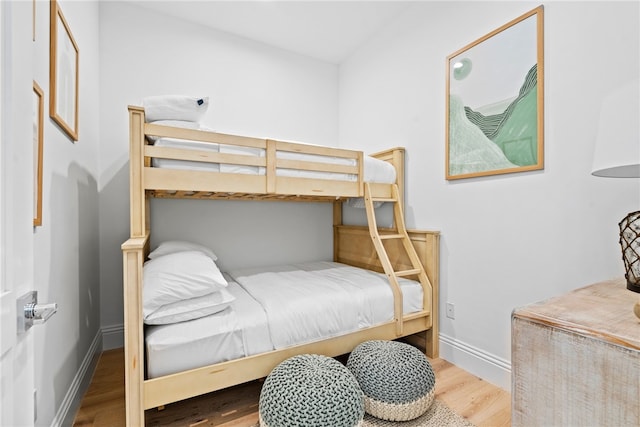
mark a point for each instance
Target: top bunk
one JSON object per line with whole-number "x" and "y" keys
{"x": 176, "y": 159}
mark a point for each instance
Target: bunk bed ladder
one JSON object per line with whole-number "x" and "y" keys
{"x": 400, "y": 233}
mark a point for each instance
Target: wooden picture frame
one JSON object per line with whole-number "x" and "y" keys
{"x": 38, "y": 138}
{"x": 63, "y": 73}
{"x": 495, "y": 101}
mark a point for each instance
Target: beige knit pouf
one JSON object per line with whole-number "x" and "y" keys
{"x": 397, "y": 379}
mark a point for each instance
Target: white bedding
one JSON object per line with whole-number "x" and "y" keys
{"x": 277, "y": 307}
{"x": 306, "y": 302}
{"x": 235, "y": 332}
{"x": 375, "y": 170}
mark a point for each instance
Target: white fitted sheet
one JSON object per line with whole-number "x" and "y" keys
{"x": 277, "y": 307}
{"x": 375, "y": 170}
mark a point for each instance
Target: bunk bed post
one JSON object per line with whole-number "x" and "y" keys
{"x": 430, "y": 258}
{"x": 133, "y": 254}
{"x": 398, "y": 161}
{"x": 139, "y": 203}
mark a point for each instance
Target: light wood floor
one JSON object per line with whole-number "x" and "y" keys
{"x": 103, "y": 405}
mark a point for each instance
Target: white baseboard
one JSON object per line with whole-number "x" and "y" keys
{"x": 478, "y": 362}
{"x": 67, "y": 411}
{"x": 112, "y": 337}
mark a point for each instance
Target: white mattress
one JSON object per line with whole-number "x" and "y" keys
{"x": 278, "y": 307}
{"x": 375, "y": 170}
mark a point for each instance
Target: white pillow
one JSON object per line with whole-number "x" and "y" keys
{"x": 173, "y": 246}
{"x": 175, "y": 107}
{"x": 178, "y": 276}
{"x": 194, "y": 308}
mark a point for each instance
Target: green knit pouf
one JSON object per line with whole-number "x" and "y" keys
{"x": 397, "y": 379}
{"x": 311, "y": 390}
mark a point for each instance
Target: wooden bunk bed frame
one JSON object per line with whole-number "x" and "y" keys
{"x": 411, "y": 253}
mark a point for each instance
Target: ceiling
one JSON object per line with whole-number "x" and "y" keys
{"x": 322, "y": 29}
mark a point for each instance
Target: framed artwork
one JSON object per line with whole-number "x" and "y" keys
{"x": 38, "y": 121}
{"x": 63, "y": 73}
{"x": 495, "y": 100}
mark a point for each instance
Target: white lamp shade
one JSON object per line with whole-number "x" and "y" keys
{"x": 617, "y": 151}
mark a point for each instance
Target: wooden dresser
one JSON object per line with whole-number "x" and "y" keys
{"x": 576, "y": 359}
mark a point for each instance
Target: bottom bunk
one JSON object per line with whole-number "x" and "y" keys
{"x": 273, "y": 308}
{"x": 267, "y": 316}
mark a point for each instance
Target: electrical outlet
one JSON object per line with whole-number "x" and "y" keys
{"x": 451, "y": 311}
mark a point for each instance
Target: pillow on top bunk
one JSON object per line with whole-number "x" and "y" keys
{"x": 175, "y": 107}
{"x": 177, "y": 277}
{"x": 193, "y": 308}
{"x": 173, "y": 246}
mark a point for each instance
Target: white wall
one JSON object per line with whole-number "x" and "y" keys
{"x": 513, "y": 239}
{"x": 506, "y": 240}
{"x": 66, "y": 245}
{"x": 254, "y": 90}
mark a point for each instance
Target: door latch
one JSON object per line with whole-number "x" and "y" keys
{"x": 31, "y": 313}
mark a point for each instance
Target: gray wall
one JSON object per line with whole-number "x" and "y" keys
{"x": 66, "y": 246}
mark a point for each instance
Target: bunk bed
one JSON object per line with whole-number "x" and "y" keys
{"x": 203, "y": 164}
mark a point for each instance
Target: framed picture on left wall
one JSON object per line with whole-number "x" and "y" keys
{"x": 38, "y": 137}
{"x": 63, "y": 73}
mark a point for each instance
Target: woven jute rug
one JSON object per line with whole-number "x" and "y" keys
{"x": 438, "y": 415}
